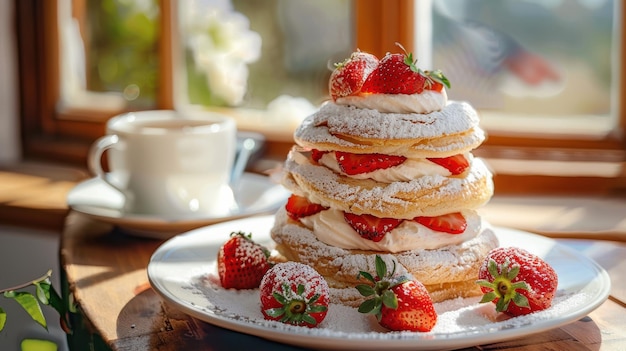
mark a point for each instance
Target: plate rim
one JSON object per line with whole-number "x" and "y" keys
{"x": 451, "y": 340}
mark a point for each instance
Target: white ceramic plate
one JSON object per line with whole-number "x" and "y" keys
{"x": 182, "y": 271}
{"x": 256, "y": 194}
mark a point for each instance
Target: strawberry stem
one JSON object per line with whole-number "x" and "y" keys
{"x": 295, "y": 308}
{"x": 380, "y": 293}
{"x": 503, "y": 289}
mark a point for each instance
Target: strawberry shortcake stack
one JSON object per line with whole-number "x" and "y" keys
{"x": 385, "y": 168}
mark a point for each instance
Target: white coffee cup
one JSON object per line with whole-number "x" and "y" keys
{"x": 169, "y": 164}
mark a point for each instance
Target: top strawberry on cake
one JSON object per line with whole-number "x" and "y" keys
{"x": 386, "y": 167}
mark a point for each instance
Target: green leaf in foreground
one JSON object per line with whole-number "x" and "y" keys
{"x": 3, "y": 318}
{"x": 45, "y": 294}
{"x": 30, "y": 304}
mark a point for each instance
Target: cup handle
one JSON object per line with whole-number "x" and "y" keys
{"x": 94, "y": 159}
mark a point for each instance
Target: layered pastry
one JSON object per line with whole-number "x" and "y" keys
{"x": 386, "y": 168}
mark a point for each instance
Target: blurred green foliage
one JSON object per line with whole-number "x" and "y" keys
{"x": 122, "y": 52}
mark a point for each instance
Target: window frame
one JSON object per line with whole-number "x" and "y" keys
{"x": 64, "y": 135}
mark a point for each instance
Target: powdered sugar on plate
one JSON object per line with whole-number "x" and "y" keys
{"x": 183, "y": 270}
{"x": 456, "y": 316}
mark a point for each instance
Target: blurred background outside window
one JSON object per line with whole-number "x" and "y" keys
{"x": 528, "y": 65}
{"x": 245, "y": 54}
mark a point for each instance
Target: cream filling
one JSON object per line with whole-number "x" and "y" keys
{"x": 410, "y": 169}
{"x": 330, "y": 227}
{"x": 425, "y": 102}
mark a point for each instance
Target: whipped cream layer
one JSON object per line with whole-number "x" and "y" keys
{"x": 425, "y": 102}
{"x": 410, "y": 169}
{"x": 330, "y": 227}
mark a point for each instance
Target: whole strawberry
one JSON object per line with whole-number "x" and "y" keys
{"x": 398, "y": 74}
{"x": 516, "y": 281}
{"x": 241, "y": 263}
{"x": 397, "y": 302}
{"x": 349, "y": 76}
{"x": 294, "y": 293}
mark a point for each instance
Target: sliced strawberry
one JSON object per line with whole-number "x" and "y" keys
{"x": 371, "y": 227}
{"x": 352, "y": 164}
{"x": 349, "y": 76}
{"x": 241, "y": 263}
{"x": 456, "y": 164}
{"x": 453, "y": 223}
{"x": 299, "y": 206}
{"x": 316, "y": 154}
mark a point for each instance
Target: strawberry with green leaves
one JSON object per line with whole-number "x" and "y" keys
{"x": 397, "y": 302}
{"x": 398, "y": 74}
{"x": 294, "y": 293}
{"x": 517, "y": 281}
{"x": 349, "y": 75}
{"x": 241, "y": 262}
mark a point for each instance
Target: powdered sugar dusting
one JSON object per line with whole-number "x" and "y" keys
{"x": 455, "y": 118}
{"x": 297, "y": 273}
{"x": 378, "y": 196}
{"x": 456, "y": 317}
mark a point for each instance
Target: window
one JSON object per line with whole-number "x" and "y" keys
{"x": 545, "y": 76}
{"x": 584, "y": 37}
{"x": 541, "y": 67}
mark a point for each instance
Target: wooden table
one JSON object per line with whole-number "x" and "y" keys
{"x": 104, "y": 270}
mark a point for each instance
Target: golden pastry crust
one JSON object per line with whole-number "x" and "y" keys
{"x": 424, "y": 196}
{"x": 451, "y": 131}
{"x": 447, "y": 272}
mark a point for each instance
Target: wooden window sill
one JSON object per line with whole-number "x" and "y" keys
{"x": 34, "y": 195}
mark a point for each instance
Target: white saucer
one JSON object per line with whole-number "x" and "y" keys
{"x": 256, "y": 194}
